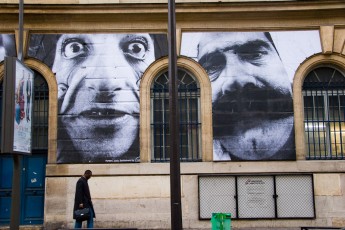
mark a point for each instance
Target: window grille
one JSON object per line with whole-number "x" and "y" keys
{"x": 324, "y": 109}
{"x": 40, "y": 113}
{"x": 189, "y": 115}
{"x": 257, "y": 196}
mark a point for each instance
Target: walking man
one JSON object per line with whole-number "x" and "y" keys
{"x": 83, "y": 199}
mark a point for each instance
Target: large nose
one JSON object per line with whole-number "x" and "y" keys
{"x": 106, "y": 83}
{"x": 236, "y": 75}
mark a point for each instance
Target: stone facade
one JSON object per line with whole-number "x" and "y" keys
{"x": 138, "y": 195}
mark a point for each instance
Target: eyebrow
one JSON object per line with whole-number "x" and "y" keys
{"x": 247, "y": 46}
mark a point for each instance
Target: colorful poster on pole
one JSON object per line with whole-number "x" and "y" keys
{"x": 23, "y": 108}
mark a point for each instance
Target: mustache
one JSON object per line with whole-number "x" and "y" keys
{"x": 253, "y": 99}
{"x": 246, "y": 108}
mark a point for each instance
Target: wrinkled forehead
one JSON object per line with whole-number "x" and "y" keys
{"x": 104, "y": 38}
{"x": 213, "y": 41}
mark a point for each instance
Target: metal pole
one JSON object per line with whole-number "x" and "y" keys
{"x": 175, "y": 180}
{"x": 15, "y": 203}
{"x": 21, "y": 10}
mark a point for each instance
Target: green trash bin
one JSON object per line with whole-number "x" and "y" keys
{"x": 221, "y": 221}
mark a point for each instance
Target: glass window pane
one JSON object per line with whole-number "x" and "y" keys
{"x": 324, "y": 108}
{"x": 188, "y": 97}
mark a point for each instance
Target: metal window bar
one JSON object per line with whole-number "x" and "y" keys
{"x": 338, "y": 132}
{"x": 334, "y": 102}
{"x": 40, "y": 115}
{"x": 324, "y": 104}
{"x": 159, "y": 129}
{"x": 183, "y": 121}
{"x": 318, "y": 120}
{"x": 327, "y": 108}
{"x": 341, "y": 98}
{"x": 320, "y": 112}
{"x": 319, "y": 107}
{"x": 193, "y": 130}
{"x": 325, "y": 123}
{"x": 306, "y": 125}
{"x": 334, "y": 150}
{"x": 189, "y": 94}
{"x": 187, "y": 124}
{"x": 330, "y": 100}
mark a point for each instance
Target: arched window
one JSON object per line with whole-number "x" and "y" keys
{"x": 324, "y": 110}
{"x": 189, "y": 115}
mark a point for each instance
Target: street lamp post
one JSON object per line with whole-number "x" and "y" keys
{"x": 175, "y": 180}
{"x": 15, "y": 205}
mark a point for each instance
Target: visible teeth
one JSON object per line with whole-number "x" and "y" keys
{"x": 98, "y": 113}
{"x": 105, "y": 113}
{"x": 101, "y": 113}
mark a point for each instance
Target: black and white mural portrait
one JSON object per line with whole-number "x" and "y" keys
{"x": 7, "y": 46}
{"x": 98, "y": 77}
{"x": 251, "y": 75}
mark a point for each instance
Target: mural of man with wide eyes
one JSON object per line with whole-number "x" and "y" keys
{"x": 98, "y": 93}
{"x": 251, "y": 96}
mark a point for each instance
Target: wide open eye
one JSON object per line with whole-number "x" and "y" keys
{"x": 136, "y": 48}
{"x": 72, "y": 48}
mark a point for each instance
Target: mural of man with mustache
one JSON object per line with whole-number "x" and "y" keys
{"x": 251, "y": 96}
{"x": 98, "y": 92}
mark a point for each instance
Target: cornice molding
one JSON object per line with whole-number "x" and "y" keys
{"x": 220, "y": 7}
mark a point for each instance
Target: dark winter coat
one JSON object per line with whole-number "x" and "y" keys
{"x": 82, "y": 195}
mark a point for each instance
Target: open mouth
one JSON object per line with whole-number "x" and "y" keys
{"x": 105, "y": 116}
{"x": 97, "y": 113}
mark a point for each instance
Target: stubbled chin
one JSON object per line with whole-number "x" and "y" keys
{"x": 103, "y": 149}
{"x": 102, "y": 137}
{"x": 113, "y": 143}
{"x": 260, "y": 142}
